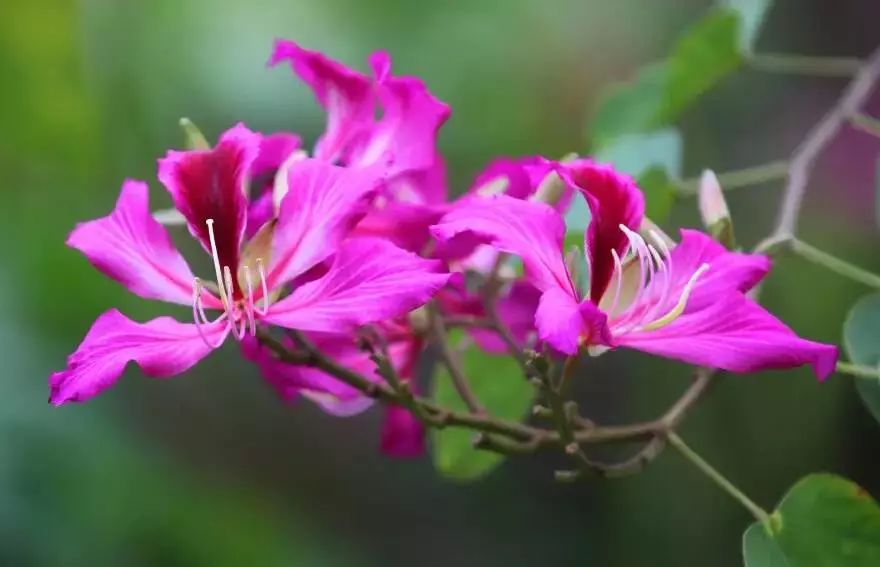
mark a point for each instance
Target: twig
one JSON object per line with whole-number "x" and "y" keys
{"x": 804, "y": 157}
{"x": 759, "y": 513}
{"x": 865, "y": 123}
{"x": 453, "y": 364}
{"x": 804, "y": 65}
{"x": 858, "y": 370}
{"x": 746, "y": 177}
{"x": 835, "y": 264}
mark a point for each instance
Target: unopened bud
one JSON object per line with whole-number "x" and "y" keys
{"x": 192, "y": 136}
{"x": 713, "y": 209}
{"x": 419, "y": 320}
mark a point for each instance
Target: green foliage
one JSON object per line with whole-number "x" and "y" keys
{"x": 877, "y": 194}
{"x": 861, "y": 340}
{"x": 823, "y": 521}
{"x": 752, "y": 13}
{"x": 760, "y": 550}
{"x": 498, "y": 383}
{"x": 624, "y": 128}
{"x": 654, "y": 160}
{"x": 707, "y": 53}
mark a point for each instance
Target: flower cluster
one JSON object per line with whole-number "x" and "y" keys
{"x": 359, "y": 232}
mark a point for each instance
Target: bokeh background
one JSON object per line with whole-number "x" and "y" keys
{"x": 210, "y": 469}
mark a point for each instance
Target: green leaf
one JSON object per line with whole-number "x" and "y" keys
{"x": 751, "y": 13}
{"x": 634, "y": 153}
{"x": 577, "y": 219}
{"x": 498, "y": 382}
{"x": 654, "y": 159}
{"x": 828, "y": 521}
{"x": 630, "y": 107}
{"x": 707, "y": 53}
{"x": 760, "y": 550}
{"x": 659, "y": 192}
{"x": 861, "y": 341}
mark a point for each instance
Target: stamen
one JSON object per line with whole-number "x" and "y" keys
{"x": 249, "y": 306}
{"x": 200, "y": 319}
{"x": 265, "y": 287}
{"x": 639, "y": 250}
{"x": 217, "y": 272}
{"x": 680, "y": 306}
{"x": 618, "y": 271}
{"x": 237, "y": 331}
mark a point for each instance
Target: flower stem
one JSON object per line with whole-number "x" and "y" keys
{"x": 834, "y": 263}
{"x": 858, "y": 370}
{"x": 866, "y": 123}
{"x": 738, "y": 178}
{"x": 804, "y": 65}
{"x": 759, "y": 513}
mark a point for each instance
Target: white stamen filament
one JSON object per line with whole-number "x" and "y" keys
{"x": 682, "y": 302}
{"x": 216, "y": 258}
{"x": 652, "y": 295}
{"x": 240, "y": 317}
{"x": 618, "y": 270}
{"x": 249, "y": 306}
{"x": 200, "y": 318}
{"x": 265, "y": 288}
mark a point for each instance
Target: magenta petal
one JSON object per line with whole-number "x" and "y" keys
{"x": 345, "y": 94}
{"x": 532, "y": 231}
{"x": 274, "y": 150}
{"x": 322, "y": 203}
{"x": 736, "y": 334}
{"x": 727, "y": 271}
{"x": 135, "y": 250}
{"x": 369, "y": 280}
{"x": 518, "y": 178}
{"x": 517, "y": 311}
{"x": 564, "y": 324}
{"x": 403, "y": 436}
{"x": 405, "y": 224}
{"x": 212, "y": 184}
{"x": 614, "y": 200}
{"x": 407, "y": 132}
{"x": 161, "y": 347}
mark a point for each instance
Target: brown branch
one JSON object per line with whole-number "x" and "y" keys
{"x": 804, "y": 157}
{"x": 452, "y": 362}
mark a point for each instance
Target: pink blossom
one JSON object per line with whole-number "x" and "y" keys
{"x": 359, "y": 280}
{"x": 685, "y": 301}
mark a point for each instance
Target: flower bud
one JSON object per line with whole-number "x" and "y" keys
{"x": 192, "y": 136}
{"x": 713, "y": 209}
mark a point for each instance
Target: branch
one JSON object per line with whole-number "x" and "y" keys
{"x": 453, "y": 364}
{"x": 804, "y": 65}
{"x": 739, "y": 178}
{"x": 835, "y": 264}
{"x": 804, "y": 158}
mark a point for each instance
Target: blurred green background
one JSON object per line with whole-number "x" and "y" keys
{"x": 210, "y": 469}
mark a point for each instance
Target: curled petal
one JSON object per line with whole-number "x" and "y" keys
{"x": 369, "y": 280}
{"x": 161, "y": 347}
{"x": 614, "y": 200}
{"x": 345, "y": 94}
{"x": 565, "y": 325}
{"x": 131, "y": 247}
{"x": 736, "y": 334}
{"x": 407, "y": 132}
{"x": 532, "y": 231}
{"x": 212, "y": 184}
{"x": 321, "y": 206}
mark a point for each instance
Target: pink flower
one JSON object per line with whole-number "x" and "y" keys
{"x": 685, "y": 302}
{"x": 362, "y": 280}
{"x": 404, "y": 139}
